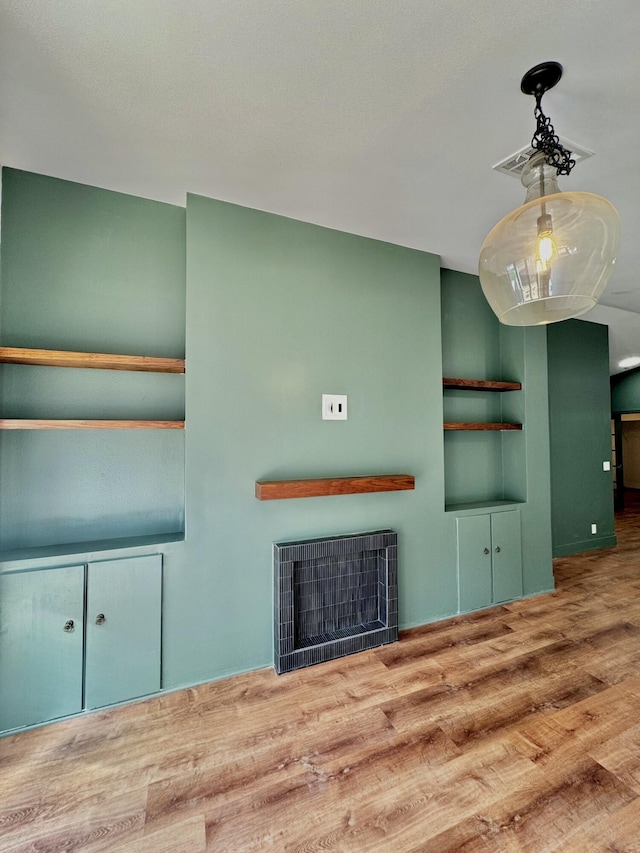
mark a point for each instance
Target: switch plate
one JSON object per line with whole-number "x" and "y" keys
{"x": 334, "y": 407}
{"x": 594, "y": 528}
{"x": 606, "y": 466}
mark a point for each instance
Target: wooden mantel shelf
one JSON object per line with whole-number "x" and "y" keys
{"x": 275, "y": 490}
{"x": 32, "y": 423}
{"x": 104, "y": 361}
{"x": 479, "y": 426}
{"x": 481, "y": 385}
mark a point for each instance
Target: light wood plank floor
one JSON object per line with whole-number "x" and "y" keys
{"x": 515, "y": 729}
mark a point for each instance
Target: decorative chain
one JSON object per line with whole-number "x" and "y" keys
{"x": 546, "y": 140}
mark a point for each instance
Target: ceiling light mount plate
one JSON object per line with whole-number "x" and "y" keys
{"x": 541, "y": 78}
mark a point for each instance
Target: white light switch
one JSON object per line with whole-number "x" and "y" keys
{"x": 606, "y": 466}
{"x": 334, "y": 407}
{"x": 594, "y": 528}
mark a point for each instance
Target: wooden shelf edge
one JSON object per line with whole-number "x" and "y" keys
{"x": 104, "y": 361}
{"x": 22, "y": 423}
{"x": 273, "y": 490}
{"x": 482, "y": 426}
{"x": 481, "y": 384}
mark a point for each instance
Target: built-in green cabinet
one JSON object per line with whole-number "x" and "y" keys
{"x": 41, "y": 645}
{"x": 506, "y": 545}
{"x": 78, "y": 637}
{"x": 123, "y": 630}
{"x": 489, "y": 559}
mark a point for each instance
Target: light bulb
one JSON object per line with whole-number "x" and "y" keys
{"x": 546, "y": 246}
{"x": 546, "y": 249}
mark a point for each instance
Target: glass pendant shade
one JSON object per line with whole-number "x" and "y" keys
{"x": 551, "y": 258}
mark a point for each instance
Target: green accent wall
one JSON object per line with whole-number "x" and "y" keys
{"x": 88, "y": 269}
{"x": 625, "y": 392}
{"x": 580, "y": 435}
{"x": 278, "y": 312}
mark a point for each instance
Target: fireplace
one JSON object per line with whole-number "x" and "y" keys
{"x": 334, "y": 596}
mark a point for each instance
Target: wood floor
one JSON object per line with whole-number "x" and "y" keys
{"x": 516, "y": 729}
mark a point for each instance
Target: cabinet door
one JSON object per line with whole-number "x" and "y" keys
{"x": 474, "y": 562}
{"x": 506, "y": 542}
{"x": 41, "y": 634}
{"x": 123, "y": 630}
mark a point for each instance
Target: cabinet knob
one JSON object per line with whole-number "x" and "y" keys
{"x": 497, "y": 549}
{"x": 486, "y": 551}
{"x": 100, "y": 619}
{"x": 68, "y": 626}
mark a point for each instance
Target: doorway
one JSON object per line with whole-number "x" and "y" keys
{"x": 625, "y": 450}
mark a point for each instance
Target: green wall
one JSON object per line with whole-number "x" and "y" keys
{"x": 278, "y": 312}
{"x": 625, "y": 392}
{"x": 89, "y": 269}
{"x": 580, "y": 434}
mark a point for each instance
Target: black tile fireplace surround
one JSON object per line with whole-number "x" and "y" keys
{"x": 334, "y": 596}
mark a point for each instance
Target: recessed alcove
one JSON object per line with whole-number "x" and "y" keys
{"x": 484, "y": 400}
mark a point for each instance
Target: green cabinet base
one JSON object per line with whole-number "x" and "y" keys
{"x": 78, "y": 637}
{"x": 489, "y": 559}
{"x": 123, "y": 630}
{"x": 41, "y": 645}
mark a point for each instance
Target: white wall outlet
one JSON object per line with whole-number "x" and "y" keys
{"x": 606, "y": 466}
{"x": 334, "y": 407}
{"x": 594, "y": 528}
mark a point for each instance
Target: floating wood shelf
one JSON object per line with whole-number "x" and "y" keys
{"x": 480, "y": 426}
{"x": 275, "y": 490}
{"x": 18, "y": 423}
{"x": 105, "y": 361}
{"x": 481, "y": 385}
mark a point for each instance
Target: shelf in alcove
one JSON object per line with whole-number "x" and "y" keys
{"x": 480, "y": 385}
{"x": 104, "y": 361}
{"x": 33, "y": 423}
{"x": 482, "y": 426}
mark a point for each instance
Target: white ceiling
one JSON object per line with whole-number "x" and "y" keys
{"x": 379, "y": 117}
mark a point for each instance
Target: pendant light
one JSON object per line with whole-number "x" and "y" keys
{"x": 551, "y": 258}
